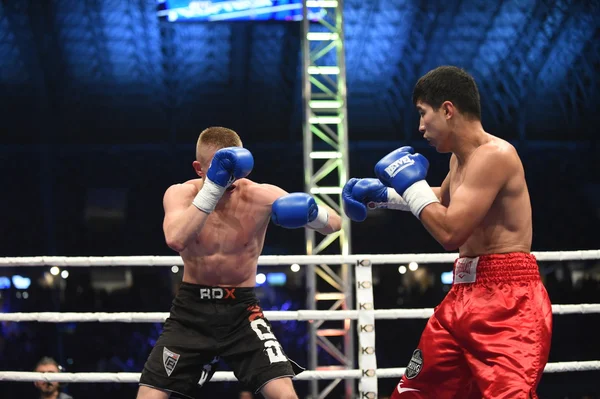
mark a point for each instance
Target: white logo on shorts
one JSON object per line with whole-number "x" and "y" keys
{"x": 402, "y": 390}
{"x": 272, "y": 347}
{"x": 415, "y": 365}
{"x": 465, "y": 270}
{"x": 170, "y": 360}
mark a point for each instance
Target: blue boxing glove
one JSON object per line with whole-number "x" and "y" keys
{"x": 388, "y": 166}
{"x": 406, "y": 173}
{"x": 359, "y": 195}
{"x": 228, "y": 164}
{"x": 298, "y": 210}
{"x": 353, "y": 208}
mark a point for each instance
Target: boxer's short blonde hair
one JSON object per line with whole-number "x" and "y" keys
{"x": 217, "y": 137}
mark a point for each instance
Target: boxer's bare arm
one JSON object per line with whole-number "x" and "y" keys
{"x": 183, "y": 221}
{"x": 270, "y": 194}
{"x": 443, "y": 192}
{"x": 334, "y": 222}
{"x": 485, "y": 175}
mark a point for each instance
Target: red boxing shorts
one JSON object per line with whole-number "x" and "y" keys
{"x": 490, "y": 336}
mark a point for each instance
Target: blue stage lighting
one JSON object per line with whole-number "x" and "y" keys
{"x": 276, "y": 278}
{"x": 447, "y": 277}
{"x": 20, "y": 282}
{"x": 4, "y": 283}
{"x": 235, "y": 10}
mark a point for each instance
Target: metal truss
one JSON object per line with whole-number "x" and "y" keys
{"x": 325, "y": 133}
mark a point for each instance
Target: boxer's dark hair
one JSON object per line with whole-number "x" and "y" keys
{"x": 449, "y": 83}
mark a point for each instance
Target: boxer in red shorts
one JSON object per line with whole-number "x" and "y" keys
{"x": 490, "y": 336}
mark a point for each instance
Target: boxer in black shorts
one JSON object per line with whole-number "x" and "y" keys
{"x": 218, "y": 224}
{"x": 208, "y": 323}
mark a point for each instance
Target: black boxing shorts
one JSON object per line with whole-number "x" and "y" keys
{"x": 211, "y": 323}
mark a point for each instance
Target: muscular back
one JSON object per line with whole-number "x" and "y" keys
{"x": 507, "y": 225}
{"x": 226, "y": 250}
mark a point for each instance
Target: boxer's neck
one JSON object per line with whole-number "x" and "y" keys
{"x": 467, "y": 137}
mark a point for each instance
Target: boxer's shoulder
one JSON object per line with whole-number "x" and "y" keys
{"x": 193, "y": 182}
{"x": 188, "y": 188}
{"x": 262, "y": 193}
{"x": 495, "y": 152}
{"x": 497, "y": 146}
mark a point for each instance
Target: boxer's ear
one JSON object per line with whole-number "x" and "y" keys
{"x": 448, "y": 109}
{"x": 198, "y": 168}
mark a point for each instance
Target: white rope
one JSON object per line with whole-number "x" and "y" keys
{"x": 300, "y": 315}
{"x": 560, "y": 367}
{"x": 271, "y": 260}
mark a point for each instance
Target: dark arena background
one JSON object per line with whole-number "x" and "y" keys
{"x": 102, "y": 101}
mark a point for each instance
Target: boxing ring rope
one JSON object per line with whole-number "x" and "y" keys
{"x": 397, "y": 372}
{"x": 368, "y": 372}
{"x": 272, "y": 260}
{"x": 274, "y": 315}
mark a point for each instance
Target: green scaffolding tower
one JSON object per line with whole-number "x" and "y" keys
{"x": 326, "y": 167}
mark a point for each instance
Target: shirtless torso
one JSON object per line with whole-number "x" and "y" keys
{"x": 506, "y": 227}
{"x": 225, "y": 252}
{"x": 486, "y": 206}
